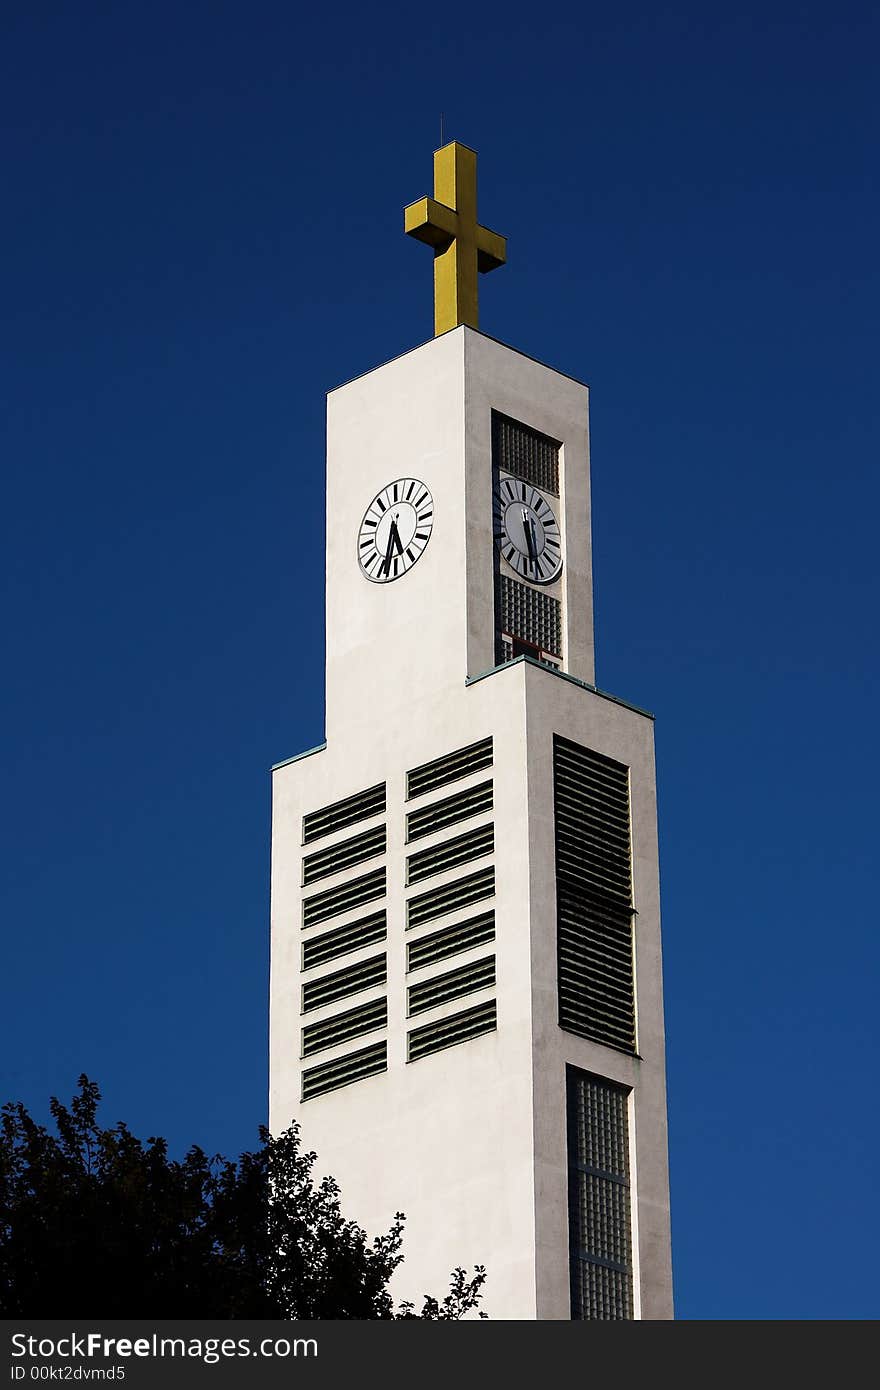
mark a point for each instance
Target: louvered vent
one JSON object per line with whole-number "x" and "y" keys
{"x": 592, "y": 820}
{"x": 338, "y": 857}
{"x": 438, "y": 901}
{"x": 348, "y": 895}
{"x": 342, "y": 1071}
{"x": 473, "y": 801}
{"x": 365, "y": 975}
{"x": 473, "y": 844}
{"x": 593, "y": 896}
{"x": 439, "y": 945}
{"x": 525, "y": 453}
{"x": 433, "y": 1037}
{"x": 595, "y": 970}
{"x": 342, "y": 813}
{"x": 534, "y": 616}
{"x": 599, "y": 1199}
{"x": 343, "y": 1027}
{"x": 439, "y": 773}
{"x": 467, "y": 979}
{"x": 320, "y": 949}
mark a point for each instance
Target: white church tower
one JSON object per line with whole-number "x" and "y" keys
{"x": 466, "y": 996}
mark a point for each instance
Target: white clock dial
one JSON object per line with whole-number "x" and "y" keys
{"x": 527, "y": 532}
{"x": 395, "y": 530}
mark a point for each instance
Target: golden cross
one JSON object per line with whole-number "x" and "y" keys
{"x": 448, "y": 222}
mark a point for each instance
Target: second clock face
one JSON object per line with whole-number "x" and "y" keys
{"x": 395, "y": 530}
{"x": 527, "y": 532}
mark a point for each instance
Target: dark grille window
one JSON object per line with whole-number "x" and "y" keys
{"x": 593, "y": 895}
{"x": 525, "y": 453}
{"x": 598, "y": 1199}
{"x": 532, "y": 615}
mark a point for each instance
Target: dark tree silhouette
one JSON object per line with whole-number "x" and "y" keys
{"x": 94, "y": 1221}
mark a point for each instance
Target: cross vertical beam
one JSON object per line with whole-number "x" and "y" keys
{"x": 462, "y": 248}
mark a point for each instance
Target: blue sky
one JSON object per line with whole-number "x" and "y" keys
{"x": 202, "y": 234}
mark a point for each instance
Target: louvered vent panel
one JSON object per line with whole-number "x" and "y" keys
{"x": 473, "y": 801}
{"x": 348, "y": 895}
{"x": 534, "y": 616}
{"x": 338, "y": 857}
{"x": 450, "y": 941}
{"x": 526, "y": 453}
{"x": 433, "y": 1037}
{"x": 365, "y": 975}
{"x": 592, "y": 820}
{"x": 593, "y": 896}
{"x": 343, "y": 1027}
{"x": 341, "y": 940}
{"x": 473, "y": 844}
{"x": 599, "y": 1199}
{"x": 342, "y": 813}
{"x": 595, "y": 970}
{"x": 441, "y": 771}
{"x": 467, "y": 979}
{"x": 438, "y": 901}
{"x": 342, "y": 1071}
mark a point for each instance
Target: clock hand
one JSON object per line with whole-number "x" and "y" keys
{"x": 394, "y": 535}
{"x": 530, "y": 539}
{"x": 385, "y": 567}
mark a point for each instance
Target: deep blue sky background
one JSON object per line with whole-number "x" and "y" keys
{"x": 202, "y": 233}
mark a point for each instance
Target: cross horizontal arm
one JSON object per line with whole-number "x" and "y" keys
{"x": 491, "y": 249}
{"x": 431, "y": 222}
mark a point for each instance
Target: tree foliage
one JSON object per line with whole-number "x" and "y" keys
{"x": 93, "y": 1220}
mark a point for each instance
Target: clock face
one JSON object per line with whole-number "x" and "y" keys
{"x": 395, "y": 530}
{"x": 527, "y": 532}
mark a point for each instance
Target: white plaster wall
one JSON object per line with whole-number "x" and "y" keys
{"x": 391, "y": 645}
{"x": 447, "y": 1139}
{"x": 470, "y": 1142}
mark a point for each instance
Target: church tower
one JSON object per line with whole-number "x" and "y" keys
{"x": 466, "y": 995}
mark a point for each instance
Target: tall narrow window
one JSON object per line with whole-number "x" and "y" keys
{"x": 598, "y": 1199}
